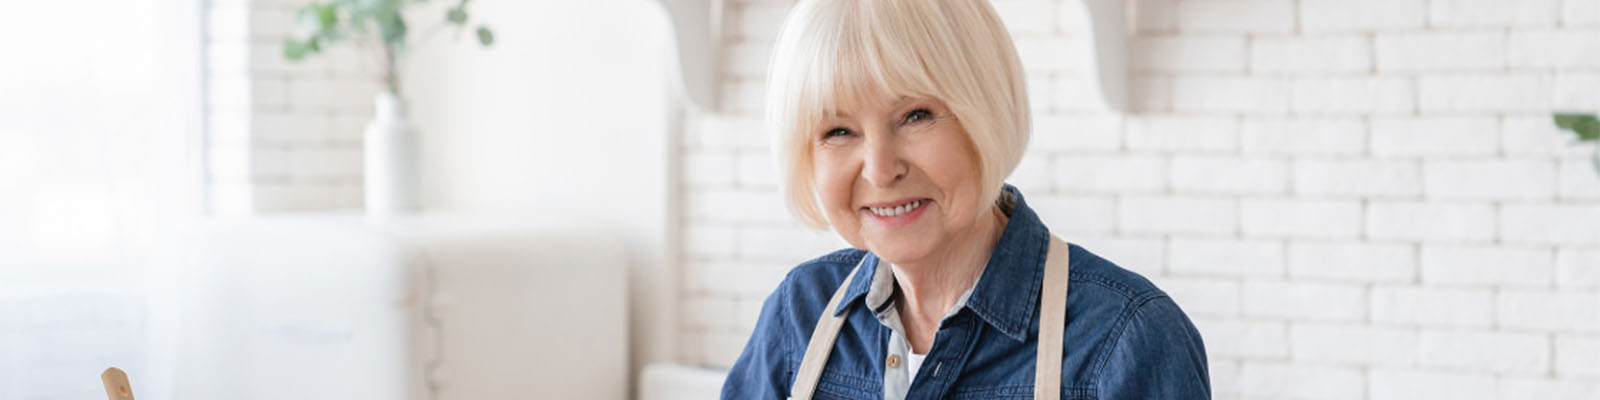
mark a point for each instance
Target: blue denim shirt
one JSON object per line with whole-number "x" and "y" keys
{"x": 1125, "y": 339}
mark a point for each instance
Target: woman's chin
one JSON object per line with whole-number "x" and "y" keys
{"x": 899, "y": 251}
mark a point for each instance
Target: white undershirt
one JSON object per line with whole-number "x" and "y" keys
{"x": 913, "y": 363}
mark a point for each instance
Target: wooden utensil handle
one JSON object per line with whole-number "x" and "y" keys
{"x": 116, "y": 382}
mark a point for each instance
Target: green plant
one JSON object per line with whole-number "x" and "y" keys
{"x": 1587, "y": 127}
{"x": 368, "y": 22}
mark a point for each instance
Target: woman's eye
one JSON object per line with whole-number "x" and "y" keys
{"x": 918, "y": 115}
{"x": 835, "y": 132}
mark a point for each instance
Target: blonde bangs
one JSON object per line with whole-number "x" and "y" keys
{"x": 832, "y": 55}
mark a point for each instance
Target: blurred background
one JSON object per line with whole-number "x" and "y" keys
{"x": 1364, "y": 199}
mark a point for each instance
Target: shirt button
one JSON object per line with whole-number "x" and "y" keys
{"x": 894, "y": 361}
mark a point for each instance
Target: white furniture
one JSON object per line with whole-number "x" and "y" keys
{"x": 337, "y": 307}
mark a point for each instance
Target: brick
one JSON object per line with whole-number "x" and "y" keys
{"x": 1146, "y": 214}
{"x": 1493, "y": 13}
{"x": 1549, "y": 311}
{"x": 741, "y": 279}
{"x": 1075, "y": 213}
{"x": 1492, "y": 266}
{"x": 319, "y": 162}
{"x": 279, "y": 128}
{"x": 747, "y": 59}
{"x": 1208, "y": 297}
{"x": 1148, "y": 15}
{"x": 1217, "y": 94}
{"x": 1575, "y": 356}
{"x": 1051, "y": 54}
{"x": 1188, "y": 54}
{"x": 1578, "y": 268}
{"x": 721, "y": 348}
{"x": 1523, "y": 353}
{"x": 1069, "y": 93}
{"x": 1353, "y": 95}
{"x": 1396, "y": 384}
{"x": 1550, "y": 223}
{"x": 1109, "y": 174}
{"x": 1303, "y": 136}
{"x": 1301, "y": 218}
{"x": 1538, "y": 136}
{"x": 1208, "y": 174}
{"x": 1554, "y": 48}
{"x": 1078, "y": 132}
{"x": 1352, "y": 344}
{"x": 1431, "y": 306}
{"x": 727, "y": 132}
{"x": 1354, "y": 262}
{"x": 1301, "y": 54}
{"x": 711, "y": 313}
{"x": 1300, "y": 381}
{"x": 1245, "y": 339}
{"x": 757, "y": 21}
{"x": 1236, "y": 16}
{"x": 708, "y": 168}
{"x": 1489, "y": 179}
{"x": 1146, "y": 255}
{"x": 1454, "y": 222}
{"x": 785, "y": 245}
{"x": 1484, "y": 93}
{"x": 1027, "y": 17}
{"x": 1149, "y": 93}
{"x": 1435, "y": 136}
{"x": 1033, "y": 172}
{"x": 1168, "y": 133}
{"x": 1361, "y": 15}
{"x": 726, "y": 205}
{"x": 1432, "y": 52}
{"x": 1569, "y": 92}
{"x": 1226, "y": 257}
{"x": 1303, "y": 301}
{"x": 757, "y": 170}
{"x": 1578, "y": 179}
{"x": 1358, "y": 178}
{"x": 1581, "y": 13}
{"x": 1512, "y": 387}
{"x": 744, "y": 96}
{"x": 710, "y": 241}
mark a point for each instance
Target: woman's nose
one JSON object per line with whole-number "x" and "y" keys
{"x": 883, "y": 165}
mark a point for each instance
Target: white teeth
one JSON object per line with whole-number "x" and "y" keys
{"x": 896, "y": 211}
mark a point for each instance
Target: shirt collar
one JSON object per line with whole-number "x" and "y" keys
{"x": 1007, "y": 291}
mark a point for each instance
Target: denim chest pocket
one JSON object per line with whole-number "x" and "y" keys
{"x": 1016, "y": 392}
{"x": 836, "y": 386}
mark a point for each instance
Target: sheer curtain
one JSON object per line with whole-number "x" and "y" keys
{"x": 99, "y": 161}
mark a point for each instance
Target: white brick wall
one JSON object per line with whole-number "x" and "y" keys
{"x": 292, "y": 131}
{"x": 1353, "y": 199}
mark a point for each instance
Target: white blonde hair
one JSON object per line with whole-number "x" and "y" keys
{"x": 955, "y": 51}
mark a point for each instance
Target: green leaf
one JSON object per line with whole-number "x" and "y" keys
{"x": 485, "y": 36}
{"x": 1588, "y": 129}
{"x": 1568, "y": 120}
{"x": 294, "y": 50}
{"x": 456, "y": 16}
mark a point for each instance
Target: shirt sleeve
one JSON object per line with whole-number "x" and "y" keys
{"x": 1159, "y": 355}
{"x": 763, "y": 371}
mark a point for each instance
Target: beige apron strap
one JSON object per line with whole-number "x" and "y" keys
{"x": 822, "y": 338}
{"x": 1052, "y": 322}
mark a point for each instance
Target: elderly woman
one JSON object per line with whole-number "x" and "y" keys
{"x": 896, "y": 122}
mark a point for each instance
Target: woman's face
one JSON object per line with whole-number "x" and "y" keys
{"x": 897, "y": 177}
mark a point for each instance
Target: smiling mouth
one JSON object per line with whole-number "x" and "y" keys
{"x": 899, "y": 210}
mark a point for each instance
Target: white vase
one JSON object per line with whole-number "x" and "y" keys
{"x": 390, "y": 159}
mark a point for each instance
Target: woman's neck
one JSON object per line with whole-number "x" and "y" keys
{"x": 931, "y": 286}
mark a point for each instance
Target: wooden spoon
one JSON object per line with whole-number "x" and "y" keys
{"x": 117, "y": 387}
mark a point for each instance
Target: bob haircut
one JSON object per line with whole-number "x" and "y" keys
{"x": 832, "y": 53}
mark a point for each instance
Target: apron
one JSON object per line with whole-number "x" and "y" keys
{"x": 1052, "y": 314}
